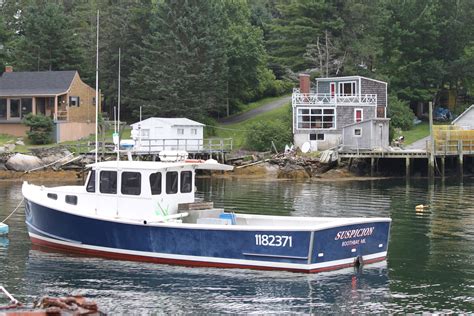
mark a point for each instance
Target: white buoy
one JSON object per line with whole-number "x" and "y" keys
{"x": 3, "y": 229}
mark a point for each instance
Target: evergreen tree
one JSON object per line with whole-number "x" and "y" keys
{"x": 181, "y": 66}
{"x": 48, "y": 41}
{"x": 246, "y": 55}
{"x": 299, "y": 24}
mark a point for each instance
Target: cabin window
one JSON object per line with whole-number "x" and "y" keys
{"x": 172, "y": 182}
{"x": 347, "y": 88}
{"x": 358, "y": 132}
{"x": 52, "y": 196}
{"x": 186, "y": 181}
{"x": 14, "y": 108}
{"x": 155, "y": 183}
{"x": 319, "y": 136}
{"x": 26, "y": 106}
{"x": 131, "y": 183}
{"x": 180, "y": 131}
{"x": 3, "y": 108}
{"x": 194, "y": 131}
{"x": 74, "y": 101}
{"x": 71, "y": 199}
{"x": 358, "y": 116}
{"x": 320, "y": 118}
{"x": 108, "y": 182}
{"x": 91, "y": 183}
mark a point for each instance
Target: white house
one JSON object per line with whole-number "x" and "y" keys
{"x": 466, "y": 119}
{"x": 155, "y": 134}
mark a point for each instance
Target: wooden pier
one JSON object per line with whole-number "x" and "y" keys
{"x": 458, "y": 151}
{"x": 149, "y": 149}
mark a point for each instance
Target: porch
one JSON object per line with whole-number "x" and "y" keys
{"x": 332, "y": 100}
{"x": 14, "y": 109}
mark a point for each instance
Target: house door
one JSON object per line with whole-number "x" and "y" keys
{"x": 332, "y": 88}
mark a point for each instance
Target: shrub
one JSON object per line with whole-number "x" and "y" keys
{"x": 261, "y": 134}
{"x": 40, "y": 128}
{"x": 400, "y": 114}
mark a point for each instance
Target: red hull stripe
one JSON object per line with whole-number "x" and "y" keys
{"x": 190, "y": 263}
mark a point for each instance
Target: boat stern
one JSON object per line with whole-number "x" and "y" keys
{"x": 351, "y": 244}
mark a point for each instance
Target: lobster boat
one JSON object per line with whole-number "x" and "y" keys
{"x": 147, "y": 211}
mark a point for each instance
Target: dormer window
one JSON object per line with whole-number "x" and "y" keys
{"x": 347, "y": 88}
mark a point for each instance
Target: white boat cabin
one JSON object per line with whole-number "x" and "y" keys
{"x": 132, "y": 190}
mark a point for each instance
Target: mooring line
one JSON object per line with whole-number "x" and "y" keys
{"x": 16, "y": 208}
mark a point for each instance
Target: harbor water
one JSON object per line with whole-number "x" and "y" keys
{"x": 430, "y": 265}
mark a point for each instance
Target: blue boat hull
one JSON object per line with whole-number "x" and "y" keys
{"x": 228, "y": 246}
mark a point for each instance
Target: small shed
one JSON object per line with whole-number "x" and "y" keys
{"x": 466, "y": 119}
{"x": 155, "y": 134}
{"x": 370, "y": 134}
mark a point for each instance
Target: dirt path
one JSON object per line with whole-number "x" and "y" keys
{"x": 264, "y": 108}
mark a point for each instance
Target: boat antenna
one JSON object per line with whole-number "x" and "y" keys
{"x": 118, "y": 108}
{"x": 97, "y": 91}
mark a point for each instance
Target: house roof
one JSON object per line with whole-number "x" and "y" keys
{"x": 35, "y": 83}
{"x": 463, "y": 113}
{"x": 348, "y": 78}
{"x": 181, "y": 121}
{"x": 375, "y": 119}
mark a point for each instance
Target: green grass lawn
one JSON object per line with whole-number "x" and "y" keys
{"x": 237, "y": 131}
{"x": 419, "y": 131}
{"x": 253, "y": 105}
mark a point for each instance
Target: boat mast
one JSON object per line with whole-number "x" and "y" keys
{"x": 118, "y": 108}
{"x": 97, "y": 91}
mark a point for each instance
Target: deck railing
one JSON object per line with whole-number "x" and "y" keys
{"x": 314, "y": 99}
{"x": 209, "y": 145}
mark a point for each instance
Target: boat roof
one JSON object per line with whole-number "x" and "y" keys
{"x": 209, "y": 164}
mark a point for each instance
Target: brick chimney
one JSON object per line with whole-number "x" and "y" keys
{"x": 305, "y": 83}
{"x": 8, "y": 68}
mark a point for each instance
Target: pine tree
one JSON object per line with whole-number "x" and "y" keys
{"x": 181, "y": 68}
{"x": 48, "y": 41}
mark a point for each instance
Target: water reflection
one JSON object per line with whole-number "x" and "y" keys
{"x": 430, "y": 264}
{"x": 129, "y": 287}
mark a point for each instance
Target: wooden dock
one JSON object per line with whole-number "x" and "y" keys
{"x": 149, "y": 149}
{"x": 458, "y": 150}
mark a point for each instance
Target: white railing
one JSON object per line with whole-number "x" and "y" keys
{"x": 190, "y": 145}
{"x": 299, "y": 98}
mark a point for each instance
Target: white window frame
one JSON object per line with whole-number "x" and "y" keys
{"x": 194, "y": 131}
{"x": 75, "y": 100}
{"x": 299, "y": 116}
{"x": 341, "y": 84}
{"x": 357, "y": 129}
{"x": 361, "y": 114}
{"x": 180, "y": 131}
{"x": 316, "y": 140}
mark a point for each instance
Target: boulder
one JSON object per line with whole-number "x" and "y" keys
{"x": 51, "y": 155}
{"x": 293, "y": 171}
{"x": 21, "y": 162}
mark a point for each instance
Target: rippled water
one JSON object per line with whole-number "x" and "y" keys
{"x": 430, "y": 266}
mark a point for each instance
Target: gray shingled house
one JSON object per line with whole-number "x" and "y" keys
{"x": 341, "y": 111}
{"x": 60, "y": 95}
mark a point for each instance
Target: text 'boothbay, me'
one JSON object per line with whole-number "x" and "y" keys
{"x": 354, "y": 233}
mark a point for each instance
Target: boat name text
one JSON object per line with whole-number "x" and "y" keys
{"x": 354, "y": 233}
{"x": 273, "y": 240}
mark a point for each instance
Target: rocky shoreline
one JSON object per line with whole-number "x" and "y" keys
{"x": 58, "y": 163}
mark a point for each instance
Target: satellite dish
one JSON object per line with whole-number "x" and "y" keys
{"x": 306, "y": 147}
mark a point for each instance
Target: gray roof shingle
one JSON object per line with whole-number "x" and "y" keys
{"x": 35, "y": 83}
